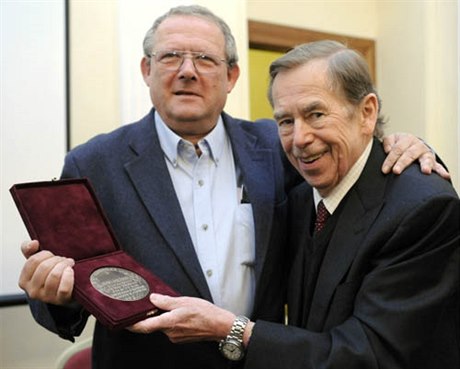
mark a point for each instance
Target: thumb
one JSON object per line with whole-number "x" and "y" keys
{"x": 29, "y": 248}
{"x": 162, "y": 302}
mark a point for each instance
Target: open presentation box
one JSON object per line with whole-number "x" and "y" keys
{"x": 67, "y": 219}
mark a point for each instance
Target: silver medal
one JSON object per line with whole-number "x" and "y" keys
{"x": 119, "y": 283}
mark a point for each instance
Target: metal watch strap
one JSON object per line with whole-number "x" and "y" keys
{"x": 238, "y": 327}
{"x": 232, "y": 346}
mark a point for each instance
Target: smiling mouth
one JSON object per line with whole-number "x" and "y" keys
{"x": 311, "y": 159}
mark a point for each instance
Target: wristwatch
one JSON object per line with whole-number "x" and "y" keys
{"x": 232, "y": 346}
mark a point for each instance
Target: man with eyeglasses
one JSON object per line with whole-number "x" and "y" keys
{"x": 196, "y": 196}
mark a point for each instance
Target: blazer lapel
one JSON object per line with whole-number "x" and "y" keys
{"x": 149, "y": 175}
{"x": 360, "y": 208}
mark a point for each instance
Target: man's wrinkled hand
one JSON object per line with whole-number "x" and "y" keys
{"x": 403, "y": 149}
{"x": 186, "y": 319}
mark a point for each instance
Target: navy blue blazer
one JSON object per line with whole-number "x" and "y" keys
{"x": 387, "y": 293}
{"x": 128, "y": 171}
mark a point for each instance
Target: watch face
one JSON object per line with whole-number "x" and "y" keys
{"x": 232, "y": 350}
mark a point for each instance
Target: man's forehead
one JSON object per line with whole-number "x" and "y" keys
{"x": 189, "y": 29}
{"x": 313, "y": 74}
{"x": 181, "y": 22}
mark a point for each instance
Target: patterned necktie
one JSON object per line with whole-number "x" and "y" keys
{"x": 321, "y": 217}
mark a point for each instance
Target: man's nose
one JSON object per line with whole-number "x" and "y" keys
{"x": 187, "y": 68}
{"x": 302, "y": 134}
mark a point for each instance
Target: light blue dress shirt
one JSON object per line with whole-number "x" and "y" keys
{"x": 220, "y": 226}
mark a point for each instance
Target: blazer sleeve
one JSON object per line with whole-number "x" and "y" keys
{"x": 412, "y": 280}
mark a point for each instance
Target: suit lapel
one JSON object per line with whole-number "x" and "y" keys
{"x": 150, "y": 177}
{"x": 301, "y": 218}
{"x": 359, "y": 209}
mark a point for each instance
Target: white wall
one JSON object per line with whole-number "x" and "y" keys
{"x": 349, "y": 17}
{"x": 32, "y": 114}
{"x": 33, "y": 145}
{"x": 417, "y": 65}
{"x": 94, "y": 66}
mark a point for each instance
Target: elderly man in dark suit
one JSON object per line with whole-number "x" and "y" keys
{"x": 196, "y": 196}
{"x": 374, "y": 279}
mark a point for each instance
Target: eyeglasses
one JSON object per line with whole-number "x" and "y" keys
{"x": 173, "y": 60}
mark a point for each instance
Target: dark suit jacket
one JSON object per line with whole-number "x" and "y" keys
{"x": 387, "y": 294}
{"x": 129, "y": 173}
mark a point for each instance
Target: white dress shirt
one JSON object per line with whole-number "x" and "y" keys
{"x": 222, "y": 229}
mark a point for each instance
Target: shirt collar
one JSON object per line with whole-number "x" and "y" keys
{"x": 338, "y": 193}
{"x": 214, "y": 141}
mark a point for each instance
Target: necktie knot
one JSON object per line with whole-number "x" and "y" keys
{"x": 321, "y": 216}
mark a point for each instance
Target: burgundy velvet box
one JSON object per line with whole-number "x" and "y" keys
{"x": 68, "y": 220}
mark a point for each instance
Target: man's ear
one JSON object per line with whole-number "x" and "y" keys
{"x": 145, "y": 70}
{"x": 369, "y": 112}
{"x": 232, "y": 75}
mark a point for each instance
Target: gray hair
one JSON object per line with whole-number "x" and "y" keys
{"x": 348, "y": 71}
{"x": 195, "y": 11}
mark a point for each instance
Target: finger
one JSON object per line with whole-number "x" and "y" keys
{"x": 391, "y": 159}
{"x": 150, "y": 325}
{"x": 43, "y": 269}
{"x": 60, "y": 281}
{"x": 389, "y": 141}
{"x": 37, "y": 286}
{"x": 28, "y": 248}
{"x": 138, "y": 328}
{"x": 427, "y": 162}
{"x": 417, "y": 150}
{"x": 30, "y": 268}
{"x": 143, "y": 326}
{"x": 164, "y": 302}
{"x": 438, "y": 168}
{"x": 67, "y": 282}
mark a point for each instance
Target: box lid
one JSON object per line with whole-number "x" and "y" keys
{"x": 65, "y": 217}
